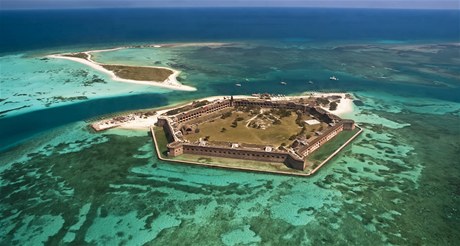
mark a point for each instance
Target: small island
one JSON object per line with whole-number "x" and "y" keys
{"x": 262, "y": 133}
{"x": 147, "y": 75}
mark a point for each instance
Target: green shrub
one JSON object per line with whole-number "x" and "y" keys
{"x": 226, "y": 115}
{"x": 333, "y": 106}
{"x": 322, "y": 101}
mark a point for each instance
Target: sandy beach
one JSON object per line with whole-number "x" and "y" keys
{"x": 344, "y": 107}
{"x": 138, "y": 122}
{"x": 170, "y": 83}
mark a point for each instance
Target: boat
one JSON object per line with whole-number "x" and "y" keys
{"x": 310, "y": 82}
{"x": 283, "y": 83}
{"x": 333, "y": 78}
{"x": 239, "y": 85}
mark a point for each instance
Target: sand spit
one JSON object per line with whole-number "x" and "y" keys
{"x": 204, "y": 44}
{"x": 170, "y": 83}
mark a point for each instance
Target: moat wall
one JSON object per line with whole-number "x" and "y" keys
{"x": 246, "y": 154}
{"x": 297, "y": 161}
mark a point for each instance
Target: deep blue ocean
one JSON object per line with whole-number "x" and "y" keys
{"x": 54, "y": 30}
{"x": 27, "y": 30}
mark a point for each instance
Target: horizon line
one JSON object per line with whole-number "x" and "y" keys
{"x": 225, "y": 7}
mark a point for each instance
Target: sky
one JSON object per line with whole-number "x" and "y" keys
{"x": 392, "y": 4}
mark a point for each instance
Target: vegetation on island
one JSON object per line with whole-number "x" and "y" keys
{"x": 333, "y": 106}
{"x": 323, "y": 101}
{"x": 332, "y": 101}
{"x": 80, "y": 55}
{"x": 140, "y": 73}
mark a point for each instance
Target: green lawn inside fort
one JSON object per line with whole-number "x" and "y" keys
{"x": 162, "y": 141}
{"x": 328, "y": 148}
{"x": 264, "y": 128}
{"x": 263, "y": 166}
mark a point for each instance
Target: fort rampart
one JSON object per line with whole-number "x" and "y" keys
{"x": 235, "y": 153}
{"x": 293, "y": 159}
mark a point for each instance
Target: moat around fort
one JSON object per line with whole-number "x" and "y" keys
{"x": 294, "y": 135}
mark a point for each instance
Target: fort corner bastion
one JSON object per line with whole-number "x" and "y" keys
{"x": 259, "y": 114}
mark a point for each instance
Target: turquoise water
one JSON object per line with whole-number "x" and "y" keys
{"x": 398, "y": 183}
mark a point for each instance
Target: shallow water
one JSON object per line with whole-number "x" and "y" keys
{"x": 398, "y": 183}
{"x": 110, "y": 188}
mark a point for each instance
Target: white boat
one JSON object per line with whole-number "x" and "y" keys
{"x": 333, "y": 78}
{"x": 310, "y": 82}
{"x": 283, "y": 83}
{"x": 239, "y": 85}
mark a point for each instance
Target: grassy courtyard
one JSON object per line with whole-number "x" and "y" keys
{"x": 332, "y": 145}
{"x": 269, "y": 134}
{"x": 265, "y": 128}
{"x": 162, "y": 141}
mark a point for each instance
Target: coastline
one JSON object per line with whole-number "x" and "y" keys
{"x": 170, "y": 83}
{"x": 142, "y": 122}
{"x": 343, "y": 108}
{"x": 172, "y": 128}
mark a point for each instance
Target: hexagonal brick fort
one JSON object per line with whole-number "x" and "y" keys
{"x": 294, "y": 157}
